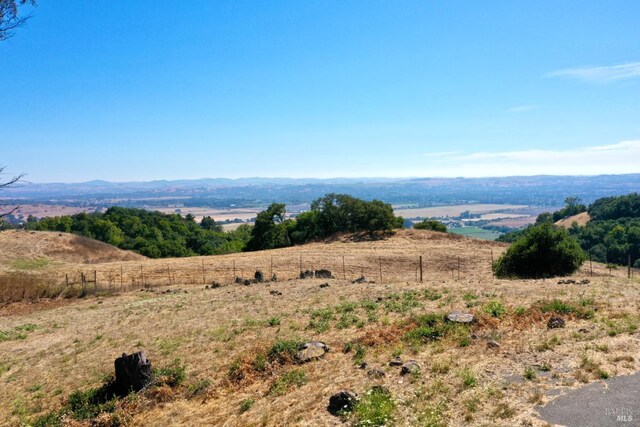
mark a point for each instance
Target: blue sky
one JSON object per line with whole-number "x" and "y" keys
{"x": 165, "y": 90}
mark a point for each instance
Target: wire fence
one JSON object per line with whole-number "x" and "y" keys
{"x": 128, "y": 276}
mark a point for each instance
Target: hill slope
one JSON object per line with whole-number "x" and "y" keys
{"x": 581, "y": 219}
{"x": 17, "y": 246}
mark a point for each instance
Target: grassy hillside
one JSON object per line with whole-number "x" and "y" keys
{"x": 216, "y": 334}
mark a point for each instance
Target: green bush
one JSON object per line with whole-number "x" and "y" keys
{"x": 542, "y": 251}
{"x": 429, "y": 224}
{"x": 376, "y": 408}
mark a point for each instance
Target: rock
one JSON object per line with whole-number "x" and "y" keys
{"x": 342, "y": 401}
{"x": 239, "y": 280}
{"x": 360, "y": 279}
{"x": 396, "y": 361}
{"x": 311, "y": 351}
{"x": 133, "y": 373}
{"x": 276, "y": 293}
{"x": 460, "y": 317}
{"x": 274, "y": 278}
{"x": 247, "y": 282}
{"x": 259, "y": 276}
{"x": 555, "y": 322}
{"x": 411, "y": 367}
{"x": 215, "y": 285}
{"x": 493, "y": 344}
{"x": 363, "y": 365}
{"x": 307, "y": 274}
{"x": 324, "y": 274}
{"x": 376, "y": 373}
{"x": 583, "y": 330}
{"x": 324, "y": 285}
{"x": 584, "y": 282}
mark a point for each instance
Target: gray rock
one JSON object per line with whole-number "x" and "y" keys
{"x": 460, "y": 317}
{"x": 324, "y": 274}
{"x": 324, "y": 285}
{"x": 342, "y": 401}
{"x": 376, "y": 373}
{"x": 493, "y": 344}
{"x": 311, "y": 351}
{"x": 307, "y": 274}
{"x": 360, "y": 279}
{"x": 555, "y": 323}
{"x": 411, "y": 367}
{"x": 259, "y": 276}
{"x": 396, "y": 361}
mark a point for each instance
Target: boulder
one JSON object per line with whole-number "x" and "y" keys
{"x": 307, "y": 274}
{"x": 360, "y": 279}
{"x": 311, "y": 351}
{"x": 324, "y": 274}
{"x": 342, "y": 401}
{"x": 396, "y": 361}
{"x": 411, "y": 367}
{"x": 259, "y": 276}
{"x": 324, "y": 285}
{"x": 376, "y": 373}
{"x": 133, "y": 373}
{"x": 493, "y": 344}
{"x": 460, "y": 317}
{"x": 555, "y": 323}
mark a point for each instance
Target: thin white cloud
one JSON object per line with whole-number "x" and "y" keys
{"x": 601, "y": 74}
{"x": 522, "y": 108}
{"x": 615, "y": 158}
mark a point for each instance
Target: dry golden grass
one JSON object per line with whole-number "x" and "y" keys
{"x": 581, "y": 219}
{"x": 56, "y": 248}
{"x": 52, "y": 352}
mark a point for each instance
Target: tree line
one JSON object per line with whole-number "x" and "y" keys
{"x": 152, "y": 234}
{"x": 160, "y": 235}
{"x": 612, "y": 234}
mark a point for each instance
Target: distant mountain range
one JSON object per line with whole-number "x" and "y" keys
{"x": 542, "y": 190}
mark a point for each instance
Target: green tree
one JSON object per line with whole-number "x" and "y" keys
{"x": 209, "y": 223}
{"x": 542, "y": 251}
{"x": 270, "y": 229}
{"x": 430, "y": 224}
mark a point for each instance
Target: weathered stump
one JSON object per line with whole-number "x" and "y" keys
{"x": 133, "y": 373}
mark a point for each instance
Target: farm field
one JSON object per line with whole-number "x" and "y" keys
{"x": 475, "y": 232}
{"x": 455, "y": 210}
{"x": 221, "y": 340}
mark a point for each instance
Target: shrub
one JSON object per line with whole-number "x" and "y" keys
{"x": 294, "y": 378}
{"x": 542, "y": 251}
{"x": 495, "y": 308}
{"x": 376, "y": 408}
{"x": 429, "y": 224}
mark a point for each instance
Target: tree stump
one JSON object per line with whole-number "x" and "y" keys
{"x": 133, "y": 372}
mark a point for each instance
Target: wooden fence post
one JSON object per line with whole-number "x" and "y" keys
{"x": 121, "y": 279}
{"x": 204, "y": 274}
{"x": 420, "y": 268}
{"x": 234, "y": 269}
{"x": 629, "y": 268}
{"x": 458, "y": 267}
{"x": 271, "y": 268}
{"x": 300, "y": 263}
{"x": 380, "y": 260}
{"x": 492, "y": 275}
{"x": 590, "y": 264}
{"x": 344, "y": 271}
{"x": 169, "y": 274}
